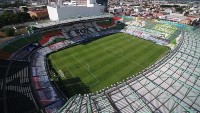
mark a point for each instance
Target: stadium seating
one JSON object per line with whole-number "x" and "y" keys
{"x": 170, "y": 85}
{"x": 54, "y": 107}
{"x": 53, "y": 36}
{"x": 50, "y": 37}
{"x": 106, "y": 24}
{"x": 142, "y": 33}
{"x": 17, "y": 87}
{"x": 16, "y": 44}
{"x": 47, "y": 96}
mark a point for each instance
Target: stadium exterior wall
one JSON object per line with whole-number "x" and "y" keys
{"x": 53, "y": 13}
{"x": 60, "y": 12}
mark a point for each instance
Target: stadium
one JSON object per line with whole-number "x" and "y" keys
{"x": 102, "y": 64}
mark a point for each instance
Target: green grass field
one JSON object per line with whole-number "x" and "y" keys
{"x": 106, "y": 61}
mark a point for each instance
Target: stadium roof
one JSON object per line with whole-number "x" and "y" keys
{"x": 73, "y": 19}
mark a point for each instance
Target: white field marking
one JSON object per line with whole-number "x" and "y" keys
{"x": 153, "y": 45}
{"x": 130, "y": 42}
{"x": 61, "y": 74}
{"x": 116, "y": 53}
{"x": 161, "y": 55}
{"x": 74, "y": 77}
{"x": 70, "y": 71}
{"x": 94, "y": 84}
{"x": 73, "y": 84}
{"x": 55, "y": 64}
{"x": 113, "y": 38}
{"x": 68, "y": 68}
{"x": 86, "y": 68}
{"x": 124, "y": 57}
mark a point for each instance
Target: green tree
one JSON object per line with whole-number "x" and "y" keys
{"x": 10, "y": 32}
{"x": 179, "y": 9}
{"x": 8, "y": 18}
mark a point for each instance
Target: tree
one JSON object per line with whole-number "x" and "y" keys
{"x": 9, "y": 18}
{"x": 10, "y": 32}
{"x": 179, "y": 9}
{"x": 25, "y": 9}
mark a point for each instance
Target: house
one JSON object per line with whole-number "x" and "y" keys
{"x": 186, "y": 21}
{"x": 39, "y": 14}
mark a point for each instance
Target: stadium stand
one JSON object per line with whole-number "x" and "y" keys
{"x": 51, "y": 36}
{"x": 47, "y": 96}
{"x": 16, "y": 87}
{"x": 170, "y": 85}
{"x": 141, "y": 33}
{"x": 162, "y": 29}
{"x": 16, "y": 44}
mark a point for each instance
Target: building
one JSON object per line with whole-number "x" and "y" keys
{"x": 137, "y": 9}
{"x": 180, "y": 18}
{"x": 187, "y": 21}
{"x": 115, "y": 9}
{"x": 82, "y": 8}
{"x": 38, "y": 14}
{"x": 79, "y": 2}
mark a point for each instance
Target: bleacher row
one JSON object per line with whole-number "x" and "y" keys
{"x": 82, "y": 104}
{"x": 163, "y": 29}
{"x": 178, "y": 25}
{"x": 16, "y": 87}
{"x": 12, "y": 46}
{"x": 141, "y": 33}
{"x": 170, "y": 85}
{"x": 45, "y": 91}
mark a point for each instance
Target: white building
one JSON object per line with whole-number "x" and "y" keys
{"x": 78, "y": 8}
{"x": 168, "y": 10}
{"x": 115, "y": 9}
{"x": 137, "y": 9}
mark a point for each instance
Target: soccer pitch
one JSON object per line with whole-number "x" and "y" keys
{"x": 106, "y": 61}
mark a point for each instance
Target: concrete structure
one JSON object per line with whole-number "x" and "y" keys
{"x": 82, "y": 8}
